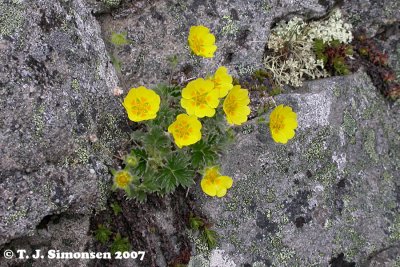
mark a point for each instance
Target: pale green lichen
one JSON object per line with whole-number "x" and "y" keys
{"x": 327, "y": 175}
{"x": 16, "y": 216}
{"x": 81, "y": 155}
{"x": 349, "y": 126}
{"x": 38, "y": 121}
{"x": 230, "y": 26}
{"x": 104, "y": 191}
{"x": 11, "y": 17}
{"x": 247, "y": 129}
{"x": 369, "y": 145}
{"x": 245, "y": 69}
{"x": 112, "y": 3}
{"x": 316, "y": 148}
{"x": 336, "y": 92}
{"x": 270, "y": 196}
{"x": 75, "y": 85}
{"x": 394, "y": 229}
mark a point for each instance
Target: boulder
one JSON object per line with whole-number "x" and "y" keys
{"x": 331, "y": 194}
{"x": 59, "y": 120}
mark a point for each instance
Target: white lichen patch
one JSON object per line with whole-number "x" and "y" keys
{"x": 218, "y": 258}
{"x": 291, "y": 44}
{"x": 340, "y": 160}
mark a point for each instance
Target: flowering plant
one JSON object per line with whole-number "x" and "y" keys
{"x": 183, "y": 130}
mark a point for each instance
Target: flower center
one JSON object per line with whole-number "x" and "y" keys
{"x": 277, "y": 123}
{"x": 198, "y": 44}
{"x": 231, "y": 105}
{"x": 123, "y": 179}
{"x": 183, "y": 130}
{"x": 212, "y": 176}
{"x": 140, "y": 106}
{"x": 200, "y": 99}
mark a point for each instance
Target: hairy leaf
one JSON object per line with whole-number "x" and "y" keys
{"x": 175, "y": 172}
{"x": 202, "y": 154}
{"x": 102, "y": 234}
{"x": 210, "y": 237}
{"x": 141, "y": 154}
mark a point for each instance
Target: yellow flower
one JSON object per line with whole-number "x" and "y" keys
{"x": 214, "y": 184}
{"x": 282, "y": 123}
{"x": 122, "y": 179}
{"x": 222, "y": 81}
{"x": 201, "y": 41}
{"x": 185, "y": 130}
{"x": 199, "y": 98}
{"x": 236, "y": 105}
{"x": 141, "y": 104}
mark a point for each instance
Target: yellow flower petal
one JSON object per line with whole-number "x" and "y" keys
{"x": 283, "y": 122}
{"x": 201, "y": 41}
{"x": 222, "y": 81}
{"x": 221, "y": 192}
{"x": 208, "y": 188}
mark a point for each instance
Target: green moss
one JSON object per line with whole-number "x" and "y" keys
{"x": 349, "y": 126}
{"x": 369, "y": 145}
{"x": 11, "y": 17}
{"x": 119, "y": 39}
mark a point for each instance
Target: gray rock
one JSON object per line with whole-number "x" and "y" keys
{"x": 56, "y": 99}
{"x": 60, "y": 234}
{"x": 332, "y": 189}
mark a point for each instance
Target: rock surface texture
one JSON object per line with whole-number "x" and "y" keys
{"x": 332, "y": 189}
{"x": 58, "y": 115}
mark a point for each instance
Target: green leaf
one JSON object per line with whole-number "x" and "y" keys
{"x": 120, "y": 244}
{"x": 102, "y": 234}
{"x": 166, "y": 91}
{"x": 202, "y": 154}
{"x": 116, "y": 208}
{"x": 139, "y": 194}
{"x": 116, "y": 63}
{"x": 210, "y": 237}
{"x": 156, "y": 141}
{"x": 175, "y": 172}
{"x": 150, "y": 183}
{"x": 195, "y": 222}
{"x": 140, "y": 169}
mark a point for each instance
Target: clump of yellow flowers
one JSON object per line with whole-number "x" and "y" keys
{"x": 160, "y": 165}
{"x": 183, "y": 130}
